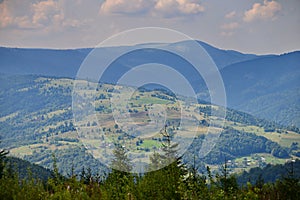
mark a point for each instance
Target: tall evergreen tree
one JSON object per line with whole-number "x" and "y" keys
{"x": 121, "y": 162}
{"x": 163, "y": 183}
{"x": 194, "y": 184}
{"x": 120, "y": 182}
{"x": 3, "y": 154}
{"x": 226, "y": 182}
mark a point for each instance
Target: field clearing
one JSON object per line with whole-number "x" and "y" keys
{"x": 268, "y": 159}
{"x": 150, "y": 144}
{"x": 21, "y": 151}
{"x": 273, "y": 160}
{"x": 284, "y": 139}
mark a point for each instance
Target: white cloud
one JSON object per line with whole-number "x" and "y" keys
{"x": 46, "y": 12}
{"x": 37, "y": 14}
{"x": 125, "y": 6}
{"x": 230, "y": 15}
{"x": 170, "y": 8}
{"x": 190, "y": 7}
{"x": 6, "y": 18}
{"x": 166, "y": 8}
{"x": 264, "y": 11}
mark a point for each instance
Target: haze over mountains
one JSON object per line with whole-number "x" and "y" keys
{"x": 266, "y": 86}
{"x": 65, "y": 63}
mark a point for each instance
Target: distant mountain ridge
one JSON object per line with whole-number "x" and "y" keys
{"x": 223, "y": 58}
{"x": 66, "y": 62}
{"x": 61, "y": 63}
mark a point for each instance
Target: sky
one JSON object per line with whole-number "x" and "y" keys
{"x": 248, "y": 26}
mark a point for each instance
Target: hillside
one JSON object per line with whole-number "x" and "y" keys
{"x": 27, "y": 170}
{"x": 266, "y": 87}
{"x": 36, "y": 120}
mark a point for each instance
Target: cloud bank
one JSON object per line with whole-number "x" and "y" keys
{"x": 165, "y": 8}
{"x": 125, "y": 6}
{"x": 42, "y": 14}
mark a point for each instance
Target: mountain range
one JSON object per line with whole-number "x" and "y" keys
{"x": 266, "y": 86}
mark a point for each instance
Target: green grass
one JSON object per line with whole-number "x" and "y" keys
{"x": 150, "y": 144}
{"x": 268, "y": 159}
{"x": 271, "y": 159}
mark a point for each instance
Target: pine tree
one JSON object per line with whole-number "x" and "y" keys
{"x": 227, "y": 183}
{"x": 163, "y": 183}
{"x": 120, "y": 182}
{"x": 194, "y": 184}
{"x": 82, "y": 175}
{"x": 120, "y": 161}
{"x": 3, "y": 154}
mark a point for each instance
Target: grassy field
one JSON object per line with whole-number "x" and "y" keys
{"x": 284, "y": 138}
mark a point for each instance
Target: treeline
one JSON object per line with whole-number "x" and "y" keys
{"x": 233, "y": 144}
{"x": 270, "y": 173}
{"x": 174, "y": 181}
{"x": 171, "y": 182}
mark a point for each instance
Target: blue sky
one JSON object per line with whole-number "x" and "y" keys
{"x": 250, "y": 26}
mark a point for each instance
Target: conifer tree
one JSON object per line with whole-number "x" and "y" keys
{"x": 163, "y": 183}
{"x": 227, "y": 182}
{"x": 3, "y": 154}
{"x": 120, "y": 182}
{"x": 194, "y": 184}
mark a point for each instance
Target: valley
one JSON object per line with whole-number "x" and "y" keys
{"x": 37, "y": 121}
